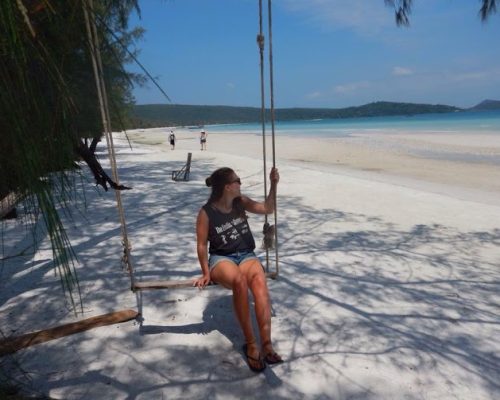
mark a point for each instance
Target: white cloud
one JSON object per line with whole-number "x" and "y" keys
{"x": 470, "y": 76}
{"x": 313, "y": 95}
{"x": 363, "y": 16}
{"x": 352, "y": 87}
{"x": 491, "y": 75}
{"x": 401, "y": 71}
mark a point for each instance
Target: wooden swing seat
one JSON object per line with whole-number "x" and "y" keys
{"x": 12, "y": 344}
{"x": 176, "y": 284}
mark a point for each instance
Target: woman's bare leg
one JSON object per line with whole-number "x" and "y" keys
{"x": 229, "y": 275}
{"x": 257, "y": 283}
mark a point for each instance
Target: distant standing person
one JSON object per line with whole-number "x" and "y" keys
{"x": 171, "y": 139}
{"x": 203, "y": 140}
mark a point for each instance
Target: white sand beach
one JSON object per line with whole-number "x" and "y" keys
{"x": 389, "y": 286}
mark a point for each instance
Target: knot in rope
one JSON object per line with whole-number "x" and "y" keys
{"x": 260, "y": 41}
{"x": 268, "y": 240}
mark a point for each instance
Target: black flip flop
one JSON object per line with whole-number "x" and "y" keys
{"x": 250, "y": 358}
{"x": 273, "y": 358}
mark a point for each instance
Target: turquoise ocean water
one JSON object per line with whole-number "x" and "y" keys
{"x": 483, "y": 122}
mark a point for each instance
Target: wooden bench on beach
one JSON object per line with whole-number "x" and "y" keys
{"x": 183, "y": 173}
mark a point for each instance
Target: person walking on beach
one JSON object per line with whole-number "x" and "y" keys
{"x": 171, "y": 139}
{"x": 203, "y": 140}
{"x": 232, "y": 263}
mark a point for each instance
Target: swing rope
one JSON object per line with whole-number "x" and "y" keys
{"x": 273, "y": 141}
{"x": 260, "y": 41}
{"x": 95, "y": 53}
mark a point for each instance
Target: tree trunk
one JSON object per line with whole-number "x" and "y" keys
{"x": 88, "y": 155}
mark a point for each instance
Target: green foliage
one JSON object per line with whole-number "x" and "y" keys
{"x": 488, "y": 7}
{"x": 146, "y": 116}
{"x": 402, "y": 10}
{"x": 49, "y": 103}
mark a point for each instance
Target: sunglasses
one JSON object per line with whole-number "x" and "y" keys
{"x": 237, "y": 180}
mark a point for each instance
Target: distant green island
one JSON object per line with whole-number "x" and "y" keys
{"x": 156, "y": 115}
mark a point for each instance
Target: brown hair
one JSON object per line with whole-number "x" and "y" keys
{"x": 217, "y": 181}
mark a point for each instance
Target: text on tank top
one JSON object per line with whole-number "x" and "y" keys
{"x": 228, "y": 233}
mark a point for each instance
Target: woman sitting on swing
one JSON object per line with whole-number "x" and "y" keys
{"x": 222, "y": 221}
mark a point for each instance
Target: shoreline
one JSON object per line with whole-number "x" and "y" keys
{"x": 458, "y": 161}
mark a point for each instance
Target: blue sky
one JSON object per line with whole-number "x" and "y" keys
{"x": 327, "y": 53}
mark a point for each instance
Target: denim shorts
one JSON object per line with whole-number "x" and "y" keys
{"x": 237, "y": 258}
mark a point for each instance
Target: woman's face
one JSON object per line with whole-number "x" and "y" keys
{"x": 234, "y": 184}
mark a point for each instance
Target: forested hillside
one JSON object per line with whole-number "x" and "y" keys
{"x": 151, "y": 115}
{"x": 487, "y": 105}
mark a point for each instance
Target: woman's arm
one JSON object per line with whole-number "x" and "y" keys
{"x": 267, "y": 206}
{"x": 201, "y": 249}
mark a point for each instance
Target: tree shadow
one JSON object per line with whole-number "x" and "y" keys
{"x": 405, "y": 300}
{"x": 414, "y": 299}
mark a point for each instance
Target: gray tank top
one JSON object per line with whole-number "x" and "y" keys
{"x": 228, "y": 233}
